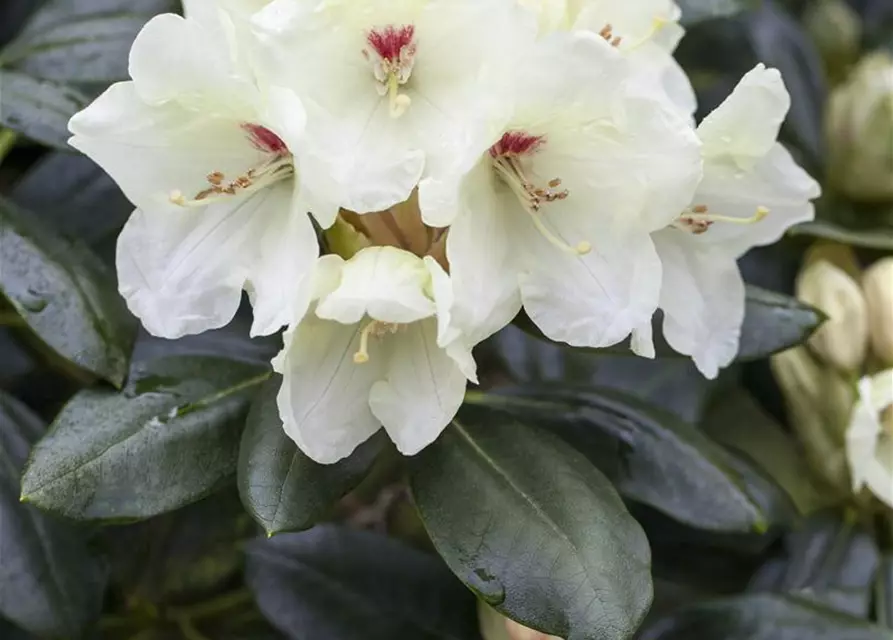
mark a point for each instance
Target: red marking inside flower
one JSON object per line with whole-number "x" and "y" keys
{"x": 516, "y": 143}
{"x": 390, "y": 41}
{"x": 265, "y": 140}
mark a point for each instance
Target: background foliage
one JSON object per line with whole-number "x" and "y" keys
{"x": 147, "y": 490}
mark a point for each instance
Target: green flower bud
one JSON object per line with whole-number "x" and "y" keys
{"x": 837, "y": 31}
{"x": 859, "y": 131}
{"x": 819, "y": 401}
{"x": 842, "y": 341}
{"x": 877, "y": 285}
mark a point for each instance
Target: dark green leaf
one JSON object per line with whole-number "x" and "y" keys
{"x": 84, "y": 48}
{"x": 736, "y": 421}
{"x": 774, "y": 323}
{"x": 71, "y": 193}
{"x": 170, "y": 438}
{"x": 38, "y": 109}
{"x": 780, "y": 42}
{"x": 332, "y": 582}
{"x": 694, "y": 11}
{"x": 831, "y": 560}
{"x": 651, "y": 456}
{"x": 673, "y": 384}
{"x": 763, "y": 617}
{"x": 281, "y": 487}
{"x": 881, "y": 238}
{"x": 67, "y": 297}
{"x": 49, "y": 583}
{"x": 533, "y": 528}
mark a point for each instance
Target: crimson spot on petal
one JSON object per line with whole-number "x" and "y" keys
{"x": 516, "y": 143}
{"x": 390, "y": 41}
{"x": 265, "y": 140}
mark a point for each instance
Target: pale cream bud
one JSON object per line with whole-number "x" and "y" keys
{"x": 842, "y": 340}
{"x": 859, "y": 131}
{"x": 837, "y": 31}
{"x": 819, "y": 401}
{"x": 877, "y": 285}
{"x": 495, "y": 626}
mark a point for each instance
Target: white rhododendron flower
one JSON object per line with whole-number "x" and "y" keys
{"x": 869, "y": 439}
{"x": 208, "y": 157}
{"x": 557, "y": 214}
{"x": 393, "y": 88}
{"x": 379, "y": 350}
{"x": 752, "y": 191}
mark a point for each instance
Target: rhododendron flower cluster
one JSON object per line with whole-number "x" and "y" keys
{"x": 393, "y": 181}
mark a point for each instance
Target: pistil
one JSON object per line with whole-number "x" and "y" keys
{"x": 377, "y": 329}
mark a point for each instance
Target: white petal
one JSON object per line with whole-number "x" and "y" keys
{"x": 642, "y": 343}
{"x": 174, "y": 58}
{"x": 449, "y": 336}
{"x": 285, "y": 254}
{"x": 152, "y": 151}
{"x": 385, "y": 283}
{"x": 776, "y": 183}
{"x": 324, "y": 399}
{"x": 862, "y": 435}
{"x": 422, "y": 390}
{"x": 594, "y": 300}
{"x": 745, "y": 126}
{"x": 183, "y": 273}
{"x": 702, "y": 299}
{"x": 483, "y": 261}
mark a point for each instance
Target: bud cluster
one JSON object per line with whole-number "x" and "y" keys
{"x": 827, "y": 404}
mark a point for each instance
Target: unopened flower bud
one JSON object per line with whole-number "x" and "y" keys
{"x": 877, "y": 285}
{"x": 819, "y": 401}
{"x": 859, "y": 131}
{"x": 495, "y": 626}
{"x": 836, "y": 30}
{"x": 843, "y": 339}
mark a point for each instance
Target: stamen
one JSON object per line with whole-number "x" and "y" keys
{"x": 506, "y": 156}
{"x": 399, "y": 101}
{"x": 377, "y": 329}
{"x": 253, "y": 180}
{"x": 698, "y": 220}
{"x": 607, "y": 32}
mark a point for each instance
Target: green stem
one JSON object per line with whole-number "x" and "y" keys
{"x": 11, "y": 320}
{"x": 8, "y": 139}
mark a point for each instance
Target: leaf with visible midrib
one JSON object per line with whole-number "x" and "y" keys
{"x": 280, "y": 486}
{"x": 533, "y": 528}
{"x": 169, "y": 439}
{"x": 65, "y": 295}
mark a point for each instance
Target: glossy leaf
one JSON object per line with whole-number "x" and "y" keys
{"x": 651, "y": 456}
{"x": 38, "y": 109}
{"x": 280, "y": 486}
{"x": 533, "y": 527}
{"x": 831, "y": 560}
{"x": 736, "y": 421}
{"x": 774, "y": 323}
{"x": 763, "y": 617}
{"x": 69, "y": 46}
{"x": 333, "y": 582}
{"x": 50, "y": 584}
{"x": 779, "y": 41}
{"x": 170, "y": 438}
{"x": 66, "y": 296}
